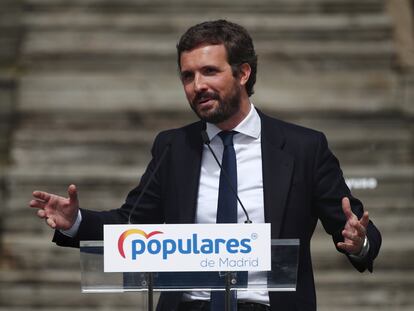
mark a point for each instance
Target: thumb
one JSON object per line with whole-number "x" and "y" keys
{"x": 73, "y": 194}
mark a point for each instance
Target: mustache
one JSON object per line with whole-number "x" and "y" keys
{"x": 203, "y": 96}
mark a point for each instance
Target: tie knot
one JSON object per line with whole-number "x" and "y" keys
{"x": 227, "y": 137}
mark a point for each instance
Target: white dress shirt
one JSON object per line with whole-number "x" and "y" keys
{"x": 249, "y": 188}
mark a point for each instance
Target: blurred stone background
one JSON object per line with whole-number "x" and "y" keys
{"x": 86, "y": 84}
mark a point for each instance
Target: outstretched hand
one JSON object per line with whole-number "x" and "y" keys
{"x": 59, "y": 212}
{"x": 354, "y": 231}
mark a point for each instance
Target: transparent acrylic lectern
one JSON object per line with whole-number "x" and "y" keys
{"x": 282, "y": 277}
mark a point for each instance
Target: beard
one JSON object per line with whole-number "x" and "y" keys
{"x": 227, "y": 107}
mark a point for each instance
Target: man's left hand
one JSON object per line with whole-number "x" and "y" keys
{"x": 354, "y": 231}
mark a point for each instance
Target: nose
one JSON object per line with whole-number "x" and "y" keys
{"x": 199, "y": 83}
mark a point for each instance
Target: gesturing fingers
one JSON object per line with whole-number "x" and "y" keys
{"x": 41, "y": 213}
{"x": 43, "y": 201}
{"x": 346, "y": 207}
{"x": 41, "y": 195}
{"x": 360, "y": 229}
{"x": 49, "y": 220}
{"x": 51, "y": 223}
{"x": 353, "y": 235}
{"x": 353, "y": 240}
{"x": 37, "y": 204}
{"x": 355, "y": 230}
{"x": 364, "y": 220}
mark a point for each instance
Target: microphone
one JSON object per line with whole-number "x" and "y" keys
{"x": 150, "y": 179}
{"x": 206, "y": 140}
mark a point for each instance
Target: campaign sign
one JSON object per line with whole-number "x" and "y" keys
{"x": 187, "y": 247}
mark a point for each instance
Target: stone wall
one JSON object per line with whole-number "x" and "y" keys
{"x": 88, "y": 84}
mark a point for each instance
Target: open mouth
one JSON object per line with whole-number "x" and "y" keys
{"x": 205, "y": 99}
{"x": 205, "y": 104}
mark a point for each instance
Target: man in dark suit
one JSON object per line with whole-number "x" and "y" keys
{"x": 285, "y": 173}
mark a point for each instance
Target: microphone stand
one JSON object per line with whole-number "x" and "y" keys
{"x": 150, "y": 283}
{"x": 227, "y": 294}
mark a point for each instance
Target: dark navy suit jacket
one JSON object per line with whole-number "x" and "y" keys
{"x": 302, "y": 182}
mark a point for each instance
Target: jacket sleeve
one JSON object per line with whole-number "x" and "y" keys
{"x": 329, "y": 189}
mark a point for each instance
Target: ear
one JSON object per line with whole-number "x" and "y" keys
{"x": 244, "y": 73}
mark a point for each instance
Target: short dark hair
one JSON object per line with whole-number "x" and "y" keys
{"x": 236, "y": 40}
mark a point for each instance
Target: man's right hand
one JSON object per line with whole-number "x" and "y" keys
{"x": 59, "y": 212}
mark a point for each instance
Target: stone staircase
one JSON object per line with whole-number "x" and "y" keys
{"x": 97, "y": 80}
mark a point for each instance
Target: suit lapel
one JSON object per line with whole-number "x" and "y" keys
{"x": 277, "y": 166}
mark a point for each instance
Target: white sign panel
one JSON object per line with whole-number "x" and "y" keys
{"x": 187, "y": 247}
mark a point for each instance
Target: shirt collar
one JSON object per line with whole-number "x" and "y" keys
{"x": 249, "y": 126}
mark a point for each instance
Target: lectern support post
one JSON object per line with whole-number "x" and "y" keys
{"x": 150, "y": 283}
{"x": 227, "y": 294}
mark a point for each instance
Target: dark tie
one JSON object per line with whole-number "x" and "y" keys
{"x": 227, "y": 201}
{"x": 227, "y": 205}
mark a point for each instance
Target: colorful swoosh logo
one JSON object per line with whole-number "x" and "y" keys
{"x": 127, "y": 233}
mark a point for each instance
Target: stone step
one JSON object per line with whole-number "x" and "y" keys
{"x": 74, "y": 126}
{"x": 59, "y": 34}
{"x": 392, "y": 182}
{"x": 279, "y": 6}
{"x": 108, "y": 141}
{"x": 115, "y": 46}
{"x": 89, "y": 34}
{"x": 35, "y": 253}
{"x": 334, "y": 288}
{"x": 140, "y": 91}
{"x": 396, "y": 251}
{"x": 7, "y": 95}
{"x": 61, "y": 295}
{"x": 389, "y": 220}
{"x": 389, "y": 199}
{"x": 112, "y": 147}
{"x": 10, "y": 32}
{"x": 8, "y": 48}
{"x": 354, "y": 27}
{"x": 386, "y": 291}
